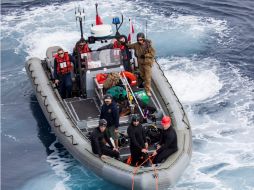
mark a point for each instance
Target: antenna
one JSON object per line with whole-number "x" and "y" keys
{"x": 80, "y": 16}
{"x": 96, "y": 7}
{"x": 146, "y": 29}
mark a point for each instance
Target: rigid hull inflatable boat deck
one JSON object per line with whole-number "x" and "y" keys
{"x": 73, "y": 119}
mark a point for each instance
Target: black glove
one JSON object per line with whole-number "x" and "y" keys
{"x": 142, "y": 56}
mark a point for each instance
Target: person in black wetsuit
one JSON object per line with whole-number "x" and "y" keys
{"x": 99, "y": 140}
{"x": 168, "y": 142}
{"x": 138, "y": 144}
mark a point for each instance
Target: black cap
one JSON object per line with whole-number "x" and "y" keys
{"x": 107, "y": 96}
{"x": 103, "y": 122}
{"x": 135, "y": 117}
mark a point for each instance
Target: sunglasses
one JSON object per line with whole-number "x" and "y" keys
{"x": 60, "y": 53}
{"x": 140, "y": 40}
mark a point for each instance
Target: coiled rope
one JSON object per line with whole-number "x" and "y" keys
{"x": 154, "y": 169}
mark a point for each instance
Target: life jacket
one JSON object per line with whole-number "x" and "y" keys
{"x": 101, "y": 77}
{"x": 64, "y": 65}
{"x": 84, "y": 52}
{"x": 117, "y": 46}
{"x": 132, "y": 79}
{"x": 84, "y": 49}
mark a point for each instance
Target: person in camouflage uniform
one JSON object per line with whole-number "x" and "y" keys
{"x": 145, "y": 54}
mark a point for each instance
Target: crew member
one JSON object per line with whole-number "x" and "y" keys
{"x": 138, "y": 143}
{"x": 110, "y": 112}
{"x": 83, "y": 50}
{"x": 121, "y": 43}
{"x": 168, "y": 141}
{"x": 63, "y": 66}
{"x": 98, "y": 140}
{"x": 145, "y": 54}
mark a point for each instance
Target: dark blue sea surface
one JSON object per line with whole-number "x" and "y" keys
{"x": 206, "y": 48}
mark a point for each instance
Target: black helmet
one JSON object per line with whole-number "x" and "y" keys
{"x": 103, "y": 122}
{"x": 135, "y": 117}
{"x": 140, "y": 35}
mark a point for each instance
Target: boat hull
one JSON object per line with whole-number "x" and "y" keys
{"x": 114, "y": 171}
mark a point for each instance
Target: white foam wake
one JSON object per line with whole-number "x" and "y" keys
{"x": 191, "y": 83}
{"x": 218, "y": 100}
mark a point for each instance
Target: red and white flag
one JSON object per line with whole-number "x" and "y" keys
{"x": 131, "y": 32}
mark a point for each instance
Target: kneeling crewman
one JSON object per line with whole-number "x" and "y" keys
{"x": 99, "y": 140}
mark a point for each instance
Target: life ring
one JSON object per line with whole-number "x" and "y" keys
{"x": 132, "y": 79}
{"x": 101, "y": 77}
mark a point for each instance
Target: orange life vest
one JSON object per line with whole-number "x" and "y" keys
{"x": 116, "y": 52}
{"x": 132, "y": 79}
{"x": 64, "y": 65}
{"x": 101, "y": 77}
{"x": 84, "y": 50}
{"x": 118, "y": 45}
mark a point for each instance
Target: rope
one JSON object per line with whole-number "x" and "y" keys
{"x": 155, "y": 172}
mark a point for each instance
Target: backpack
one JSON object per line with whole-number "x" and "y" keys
{"x": 118, "y": 93}
{"x": 142, "y": 97}
{"x": 112, "y": 80}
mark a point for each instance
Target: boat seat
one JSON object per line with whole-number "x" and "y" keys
{"x": 50, "y": 53}
{"x": 50, "y": 57}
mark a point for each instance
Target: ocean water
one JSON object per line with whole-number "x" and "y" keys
{"x": 206, "y": 48}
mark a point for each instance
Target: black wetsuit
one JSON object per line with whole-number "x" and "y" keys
{"x": 137, "y": 142}
{"x": 168, "y": 144}
{"x": 98, "y": 140}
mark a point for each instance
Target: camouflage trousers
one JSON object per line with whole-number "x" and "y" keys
{"x": 146, "y": 75}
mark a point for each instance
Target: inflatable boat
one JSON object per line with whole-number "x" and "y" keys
{"x": 73, "y": 119}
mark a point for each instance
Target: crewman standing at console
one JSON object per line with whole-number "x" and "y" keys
{"x": 121, "y": 44}
{"x": 83, "y": 50}
{"x": 145, "y": 54}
